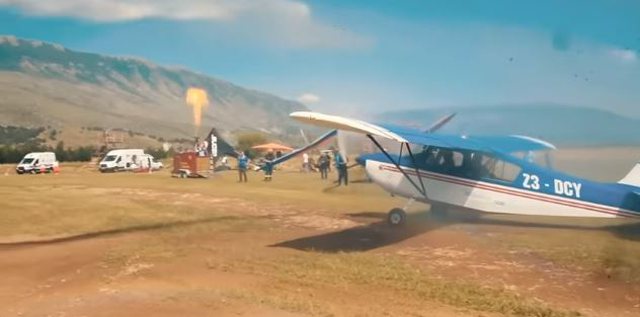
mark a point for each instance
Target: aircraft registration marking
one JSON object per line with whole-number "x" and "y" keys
{"x": 560, "y": 187}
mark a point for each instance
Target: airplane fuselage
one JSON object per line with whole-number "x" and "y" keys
{"x": 532, "y": 191}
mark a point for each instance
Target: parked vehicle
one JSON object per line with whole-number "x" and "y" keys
{"x": 147, "y": 161}
{"x": 121, "y": 160}
{"x": 37, "y": 162}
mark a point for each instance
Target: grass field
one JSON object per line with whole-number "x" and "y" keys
{"x": 132, "y": 244}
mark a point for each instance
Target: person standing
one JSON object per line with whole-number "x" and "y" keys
{"x": 323, "y": 164}
{"x": 268, "y": 167}
{"x": 243, "y": 164}
{"x": 225, "y": 162}
{"x": 341, "y": 166}
{"x": 305, "y": 162}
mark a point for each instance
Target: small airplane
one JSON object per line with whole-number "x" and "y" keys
{"x": 496, "y": 174}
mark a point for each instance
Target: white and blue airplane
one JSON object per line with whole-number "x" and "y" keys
{"x": 496, "y": 174}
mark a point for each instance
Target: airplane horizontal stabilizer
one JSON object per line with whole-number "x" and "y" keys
{"x": 633, "y": 178}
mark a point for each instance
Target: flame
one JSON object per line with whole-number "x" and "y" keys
{"x": 198, "y": 99}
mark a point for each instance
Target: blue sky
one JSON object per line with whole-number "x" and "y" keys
{"x": 369, "y": 56}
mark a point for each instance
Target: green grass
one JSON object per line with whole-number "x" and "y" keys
{"x": 385, "y": 272}
{"x": 596, "y": 249}
{"x": 80, "y": 201}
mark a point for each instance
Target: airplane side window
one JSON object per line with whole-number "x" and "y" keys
{"x": 474, "y": 165}
{"x": 505, "y": 171}
{"x": 432, "y": 156}
{"x": 458, "y": 159}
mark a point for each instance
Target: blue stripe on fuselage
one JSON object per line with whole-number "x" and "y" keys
{"x": 539, "y": 180}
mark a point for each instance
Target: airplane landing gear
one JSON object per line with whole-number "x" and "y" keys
{"x": 397, "y": 217}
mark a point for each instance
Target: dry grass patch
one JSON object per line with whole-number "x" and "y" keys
{"x": 345, "y": 271}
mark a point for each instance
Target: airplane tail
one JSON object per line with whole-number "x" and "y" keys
{"x": 633, "y": 178}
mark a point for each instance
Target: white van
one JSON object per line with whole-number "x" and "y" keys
{"x": 146, "y": 159}
{"x": 37, "y": 162}
{"x": 121, "y": 160}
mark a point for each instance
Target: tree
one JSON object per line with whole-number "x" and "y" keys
{"x": 61, "y": 154}
{"x": 248, "y": 140}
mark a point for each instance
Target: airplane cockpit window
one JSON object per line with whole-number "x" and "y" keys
{"x": 445, "y": 160}
{"x": 468, "y": 164}
{"x": 541, "y": 158}
{"x": 501, "y": 170}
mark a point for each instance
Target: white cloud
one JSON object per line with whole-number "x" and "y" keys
{"x": 308, "y": 98}
{"x": 624, "y": 55}
{"x": 286, "y": 22}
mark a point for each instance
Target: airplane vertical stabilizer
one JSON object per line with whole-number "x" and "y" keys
{"x": 633, "y": 178}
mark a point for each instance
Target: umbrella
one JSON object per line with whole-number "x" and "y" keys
{"x": 272, "y": 147}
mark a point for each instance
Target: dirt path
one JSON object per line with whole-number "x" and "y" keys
{"x": 215, "y": 269}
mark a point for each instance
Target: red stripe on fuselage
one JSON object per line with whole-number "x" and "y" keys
{"x": 495, "y": 188}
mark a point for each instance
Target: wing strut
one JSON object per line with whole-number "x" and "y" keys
{"x": 421, "y": 190}
{"x": 413, "y": 161}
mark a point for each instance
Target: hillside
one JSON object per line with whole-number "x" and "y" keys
{"x": 562, "y": 125}
{"x": 47, "y": 85}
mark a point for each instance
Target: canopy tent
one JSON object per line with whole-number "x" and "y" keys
{"x": 272, "y": 147}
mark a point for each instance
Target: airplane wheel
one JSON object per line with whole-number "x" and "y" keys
{"x": 396, "y": 217}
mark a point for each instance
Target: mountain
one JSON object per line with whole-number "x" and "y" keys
{"x": 561, "y": 125}
{"x": 47, "y": 85}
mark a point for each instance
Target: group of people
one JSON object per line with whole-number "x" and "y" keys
{"x": 323, "y": 165}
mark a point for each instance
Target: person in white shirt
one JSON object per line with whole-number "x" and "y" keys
{"x": 305, "y": 162}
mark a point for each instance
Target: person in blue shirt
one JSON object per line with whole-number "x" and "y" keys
{"x": 243, "y": 164}
{"x": 341, "y": 166}
{"x": 268, "y": 166}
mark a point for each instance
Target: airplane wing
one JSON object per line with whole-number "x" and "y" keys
{"x": 503, "y": 144}
{"x": 309, "y": 146}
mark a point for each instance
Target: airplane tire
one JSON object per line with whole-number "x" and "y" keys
{"x": 396, "y": 217}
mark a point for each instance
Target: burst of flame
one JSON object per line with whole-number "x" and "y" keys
{"x": 198, "y": 99}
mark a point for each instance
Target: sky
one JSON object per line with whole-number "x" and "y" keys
{"x": 352, "y": 57}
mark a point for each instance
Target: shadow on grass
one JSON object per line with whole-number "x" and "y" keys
{"x": 362, "y": 238}
{"x": 378, "y": 234}
{"x": 116, "y": 231}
